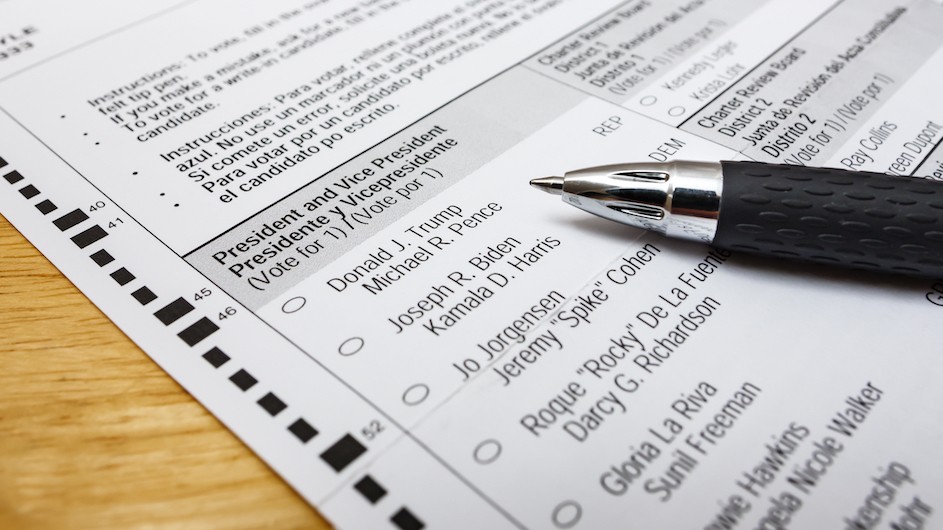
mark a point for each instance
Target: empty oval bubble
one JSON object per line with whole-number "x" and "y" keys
{"x": 487, "y": 451}
{"x": 416, "y": 394}
{"x": 293, "y": 304}
{"x": 350, "y": 346}
{"x": 567, "y": 514}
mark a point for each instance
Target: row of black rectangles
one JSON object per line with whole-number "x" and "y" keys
{"x": 338, "y": 456}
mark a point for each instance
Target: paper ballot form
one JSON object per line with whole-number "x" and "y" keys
{"x": 315, "y": 216}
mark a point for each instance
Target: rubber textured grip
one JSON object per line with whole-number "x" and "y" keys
{"x": 862, "y": 220}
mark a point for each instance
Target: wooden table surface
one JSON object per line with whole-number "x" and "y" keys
{"x": 93, "y": 434}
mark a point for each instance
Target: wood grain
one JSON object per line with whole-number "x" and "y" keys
{"x": 93, "y": 434}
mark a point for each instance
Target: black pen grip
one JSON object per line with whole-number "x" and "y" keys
{"x": 863, "y": 220}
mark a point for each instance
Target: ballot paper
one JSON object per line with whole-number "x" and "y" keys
{"x": 314, "y": 215}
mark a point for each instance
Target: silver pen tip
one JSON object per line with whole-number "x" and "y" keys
{"x": 551, "y": 185}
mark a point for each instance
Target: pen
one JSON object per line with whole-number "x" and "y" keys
{"x": 856, "y": 219}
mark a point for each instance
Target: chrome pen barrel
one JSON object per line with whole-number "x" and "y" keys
{"x": 677, "y": 199}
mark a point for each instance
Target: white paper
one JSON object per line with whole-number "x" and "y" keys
{"x": 315, "y": 216}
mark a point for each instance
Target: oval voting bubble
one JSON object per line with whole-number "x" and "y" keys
{"x": 415, "y": 394}
{"x": 487, "y": 451}
{"x": 350, "y": 346}
{"x": 293, "y": 304}
{"x": 567, "y": 514}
